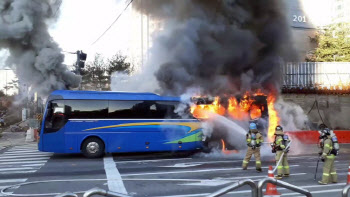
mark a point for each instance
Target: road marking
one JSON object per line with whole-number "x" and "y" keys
{"x": 23, "y": 162}
{"x": 33, "y": 165}
{"x": 190, "y": 171}
{"x": 12, "y": 180}
{"x": 8, "y": 169}
{"x": 22, "y": 156}
{"x": 262, "y": 176}
{"x": 19, "y": 172}
{"x": 182, "y": 165}
{"x": 315, "y": 192}
{"x": 29, "y": 153}
{"x": 114, "y": 180}
{"x": 19, "y": 150}
{"x": 25, "y": 151}
{"x": 5, "y": 186}
{"x": 155, "y": 160}
{"x": 25, "y": 159}
{"x": 191, "y": 164}
{"x": 7, "y": 193}
{"x": 208, "y": 183}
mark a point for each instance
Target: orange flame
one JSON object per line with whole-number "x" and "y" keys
{"x": 273, "y": 116}
{"x": 224, "y": 150}
{"x": 244, "y": 109}
{"x": 255, "y": 112}
{"x": 203, "y": 111}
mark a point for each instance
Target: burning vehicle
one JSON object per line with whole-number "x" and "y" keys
{"x": 250, "y": 107}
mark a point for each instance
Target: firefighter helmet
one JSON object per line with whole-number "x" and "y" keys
{"x": 325, "y": 132}
{"x": 279, "y": 128}
{"x": 322, "y": 126}
{"x": 252, "y": 126}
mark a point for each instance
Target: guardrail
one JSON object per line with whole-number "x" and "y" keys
{"x": 103, "y": 192}
{"x": 67, "y": 194}
{"x": 94, "y": 191}
{"x": 281, "y": 184}
{"x": 345, "y": 191}
{"x": 235, "y": 186}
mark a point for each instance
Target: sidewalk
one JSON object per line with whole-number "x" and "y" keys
{"x": 9, "y": 139}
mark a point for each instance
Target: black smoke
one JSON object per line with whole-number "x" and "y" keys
{"x": 220, "y": 46}
{"x": 35, "y": 57}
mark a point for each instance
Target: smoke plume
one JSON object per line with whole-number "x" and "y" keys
{"x": 35, "y": 57}
{"x": 221, "y": 46}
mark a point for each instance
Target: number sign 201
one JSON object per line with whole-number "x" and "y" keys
{"x": 300, "y": 19}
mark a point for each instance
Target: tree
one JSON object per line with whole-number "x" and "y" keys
{"x": 333, "y": 44}
{"x": 118, "y": 64}
{"x": 96, "y": 75}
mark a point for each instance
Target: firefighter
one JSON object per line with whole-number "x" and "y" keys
{"x": 329, "y": 149}
{"x": 280, "y": 147}
{"x": 254, "y": 140}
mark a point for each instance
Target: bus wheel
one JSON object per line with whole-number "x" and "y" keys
{"x": 93, "y": 147}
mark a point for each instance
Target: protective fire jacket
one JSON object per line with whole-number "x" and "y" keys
{"x": 279, "y": 142}
{"x": 259, "y": 137}
{"x": 327, "y": 147}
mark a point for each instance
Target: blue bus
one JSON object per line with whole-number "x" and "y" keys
{"x": 96, "y": 122}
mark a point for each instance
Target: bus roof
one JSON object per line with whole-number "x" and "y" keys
{"x": 108, "y": 95}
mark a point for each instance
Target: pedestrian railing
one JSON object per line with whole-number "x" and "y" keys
{"x": 234, "y": 186}
{"x": 67, "y": 194}
{"x": 102, "y": 192}
{"x": 281, "y": 184}
{"x": 94, "y": 191}
{"x": 346, "y": 190}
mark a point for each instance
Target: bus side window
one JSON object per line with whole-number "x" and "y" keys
{"x": 54, "y": 120}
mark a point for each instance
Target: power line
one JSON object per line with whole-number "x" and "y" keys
{"x": 58, "y": 7}
{"x": 112, "y": 23}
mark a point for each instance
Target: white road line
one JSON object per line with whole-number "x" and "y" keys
{"x": 114, "y": 180}
{"x": 5, "y": 186}
{"x": 155, "y": 160}
{"x": 9, "y": 169}
{"x": 6, "y": 194}
{"x": 316, "y": 192}
{"x": 12, "y": 180}
{"x": 26, "y": 159}
{"x": 23, "y": 162}
{"x": 33, "y": 165}
{"x": 24, "y": 151}
{"x": 189, "y": 171}
{"x": 28, "y": 154}
{"x": 22, "y": 156}
{"x": 19, "y": 172}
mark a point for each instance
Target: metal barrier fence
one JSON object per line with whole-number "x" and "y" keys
{"x": 318, "y": 77}
{"x": 345, "y": 191}
{"x": 235, "y": 186}
{"x": 94, "y": 191}
{"x": 281, "y": 184}
{"x": 257, "y": 190}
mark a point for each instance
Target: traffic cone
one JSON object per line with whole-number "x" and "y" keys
{"x": 348, "y": 182}
{"x": 271, "y": 189}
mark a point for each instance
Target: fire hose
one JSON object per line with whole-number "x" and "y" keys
{"x": 278, "y": 163}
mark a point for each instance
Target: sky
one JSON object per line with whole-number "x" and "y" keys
{"x": 79, "y": 24}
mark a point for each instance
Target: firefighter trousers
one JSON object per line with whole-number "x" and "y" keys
{"x": 283, "y": 167}
{"x": 249, "y": 154}
{"x": 329, "y": 172}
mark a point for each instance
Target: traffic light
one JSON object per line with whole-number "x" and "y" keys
{"x": 81, "y": 58}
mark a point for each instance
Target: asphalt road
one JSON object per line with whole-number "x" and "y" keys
{"x": 152, "y": 174}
